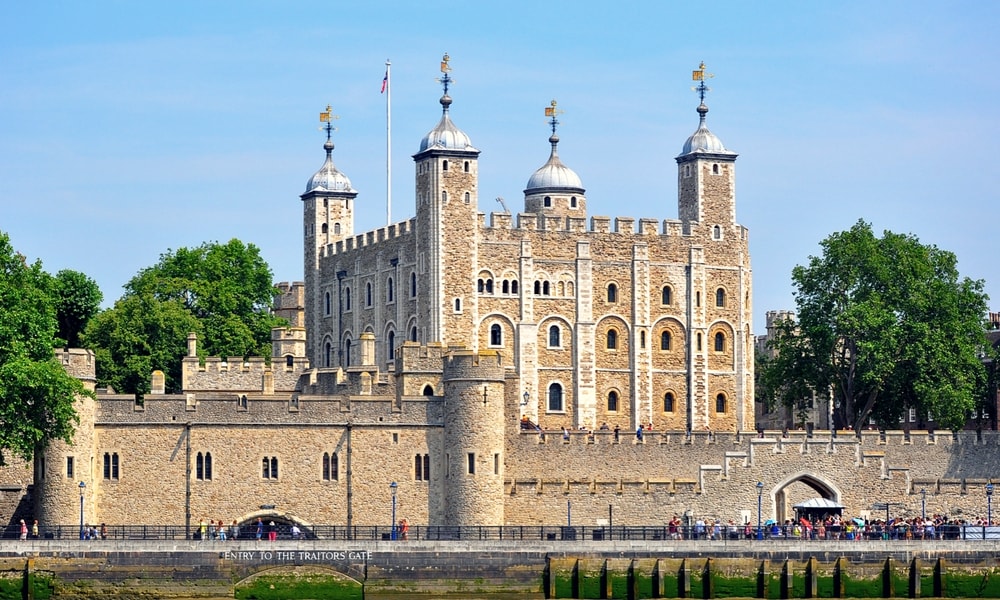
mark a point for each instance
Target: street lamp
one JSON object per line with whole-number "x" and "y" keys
{"x": 526, "y": 397}
{"x": 989, "y": 505}
{"x": 760, "y": 496}
{"x": 392, "y": 488}
{"x": 83, "y": 486}
{"x": 923, "y": 504}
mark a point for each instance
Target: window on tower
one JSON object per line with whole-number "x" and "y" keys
{"x": 612, "y": 293}
{"x": 555, "y": 398}
{"x": 720, "y": 342}
{"x": 496, "y": 335}
{"x": 720, "y": 403}
{"x": 666, "y": 295}
{"x": 554, "y": 335}
{"x": 665, "y": 340}
{"x": 612, "y": 339}
{"x": 668, "y": 402}
{"x": 612, "y": 401}
{"x": 720, "y": 297}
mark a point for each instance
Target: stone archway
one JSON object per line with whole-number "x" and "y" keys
{"x": 299, "y": 581}
{"x": 797, "y": 488}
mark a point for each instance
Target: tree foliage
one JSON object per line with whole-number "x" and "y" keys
{"x": 883, "y": 325}
{"x": 222, "y": 292}
{"x": 36, "y": 393}
{"x": 78, "y": 298}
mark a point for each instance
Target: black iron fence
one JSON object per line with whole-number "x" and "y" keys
{"x": 285, "y": 531}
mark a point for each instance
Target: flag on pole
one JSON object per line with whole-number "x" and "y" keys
{"x": 550, "y": 111}
{"x": 698, "y": 75}
{"x": 385, "y": 82}
{"x": 324, "y": 117}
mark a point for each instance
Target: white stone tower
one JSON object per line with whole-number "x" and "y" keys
{"x": 328, "y": 217}
{"x": 447, "y": 175}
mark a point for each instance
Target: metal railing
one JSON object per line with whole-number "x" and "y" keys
{"x": 474, "y": 533}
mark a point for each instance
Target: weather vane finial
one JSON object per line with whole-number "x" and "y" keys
{"x": 551, "y": 111}
{"x": 327, "y": 117}
{"x": 445, "y": 79}
{"x": 700, "y": 76}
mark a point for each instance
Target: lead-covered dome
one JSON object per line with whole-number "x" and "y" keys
{"x": 554, "y": 174}
{"x": 446, "y": 136}
{"x": 328, "y": 178}
{"x": 703, "y": 140}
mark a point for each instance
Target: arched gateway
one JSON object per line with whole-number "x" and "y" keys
{"x": 800, "y": 487}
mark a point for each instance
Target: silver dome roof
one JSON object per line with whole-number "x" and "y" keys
{"x": 328, "y": 178}
{"x": 704, "y": 140}
{"x": 446, "y": 136}
{"x": 554, "y": 174}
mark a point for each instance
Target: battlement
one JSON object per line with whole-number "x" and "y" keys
{"x": 370, "y": 238}
{"x": 462, "y": 363}
{"x": 503, "y": 221}
{"x": 79, "y": 363}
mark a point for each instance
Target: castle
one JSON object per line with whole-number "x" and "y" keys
{"x": 416, "y": 353}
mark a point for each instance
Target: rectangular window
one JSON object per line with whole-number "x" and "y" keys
{"x": 418, "y": 468}
{"x": 427, "y": 467}
{"x": 472, "y": 463}
{"x": 69, "y": 467}
{"x": 111, "y": 465}
{"x": 496, "y": 464}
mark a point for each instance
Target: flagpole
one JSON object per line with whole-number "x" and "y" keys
{"x": 388, "y": 145}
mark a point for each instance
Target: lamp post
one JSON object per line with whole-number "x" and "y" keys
{"x": 392, "y": 488}
{"x": 923, "y": 504}
{"x": 527, "y": 397}
{"x": 989, "y": 505}
{"x": 83, "y": 486}
{"x": 760, "y": 496}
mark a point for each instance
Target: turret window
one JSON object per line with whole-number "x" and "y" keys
{"x": 496, "y": 335}
{"x": 665, "y": 340}
{"x": 458, "y": 305}
{"x": 547, "y": 202}
{"x": 390, "y": 291}
{"x": 716, "y": 233}
{"x": 666, "y": 295}
{"x": 444, "y": 165}
{"x": 368, "y": 294}
{"x": 555, "y": 398}
{"x": 612, "y": 401}
{"x": 468, "y": 197}
{"x": 612, "y": 293}
{"x": 390, "y": 345}
{"x": 465, "y": 166}
{"x": 336, "y": 228}
{"x": 413, "y": 284}
{"x": 326, "y": 304}
{"x": 413, "y": 333}
{"x": 720, "y": 403}
{"x": 203, "y": 466}
{"x": 720, "y": 342}
{"x": 715, "y": 169}
{"x": 572, "y": 201}
{"x": 612, "y": 339}
{"x": 687, "y": 170}
{"x": 324, "y": 228}
{"x": 347, "y": 298}
{"x": 554, "y": 337}
{"x": 668, "y": 402}
{"x": 505, "y": 287}
{"x": 422, "y": 467}
{"x": 720, "y": 298}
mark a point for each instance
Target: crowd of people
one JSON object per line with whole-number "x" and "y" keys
{"x": 834, "y": 527}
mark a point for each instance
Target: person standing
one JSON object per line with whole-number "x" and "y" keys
{"x": 203, "y": 530}
{"x": 260, "y": 528}
{"x": 24, "y": 530}
{"x": 34, "y": 529}
{"x": 234, "y": 530}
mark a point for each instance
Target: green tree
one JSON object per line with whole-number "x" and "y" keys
{"x": 78, "y": 298}
{"x": 36, "y": 392}
{"x": 883, "y": 325}
{"x": 222, "y": 292}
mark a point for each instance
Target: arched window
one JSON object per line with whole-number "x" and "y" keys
{"x": 413, "y": 284}
{"x": 324, "y": 228}
{"x": 554, "y": 336}
{"x": 720, "y": 341}
{"x": 444, "y": 165}
{"x": 668, "y": 402}
{"x": 555, "y": 397}
{"x": 720, "y": 297}
{"x": 428, "y": 390}
{"x": 612, "y": 401}
{"x": 538, "y": 288}
{"x": 505, "y": 288}
{"x": 413, "y": 333}
{"x": 666, "y": 295}
{"x": 327, "y": 354}
{"x": 347, "y": 298}
{"x": 336, "y": 228}
{"x": 326, "y": 304}
{"x": 547, "y": 202}
{"x": 665, "y": 340}
{"x": 444, "y": 196}
{"x": 203, "y": 466}
{"x": 717, "y": 232}
{"x": 289, "y": 361}
{"x": 390, "y": 290}
{"x": 489, "y": 286}
{"x": 331, "y": 466}
{"x": 468, "y": 198}
{"x": 545, "y": 288}
{"x": 458, "y": 305}
{"x": 391, "y": 345}
{"x": 720, "y": 403}
{"x": 480, "y": 286}
{"x": 715, "y": 169}
{"x": 642, "y": 339}
{"x": 368, "y": 294}
{"x": 572, "y": 201}
{"x": 465, "y": 166}
{"x": 612, "y": 339}
{"x": 347, "y": 352}
{"x": 513, "y": 287}
{"x": 496, "y": 335}
{"x": 612, "y": 293}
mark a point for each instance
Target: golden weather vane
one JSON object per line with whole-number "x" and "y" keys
{"x": 445, "y": 79}
{"x": 328, "y": 117}
{"x": 700, "y": 76}
{"x": 551, "y": 111}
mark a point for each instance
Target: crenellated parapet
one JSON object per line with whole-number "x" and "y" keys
{"x": 370, "y": 238}
{"x": 529, "y": 222}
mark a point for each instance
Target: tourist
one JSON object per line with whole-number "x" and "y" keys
{"x": 24, "y": 530}
{"x": 617, "y": 430}
{"x": 404, "y": 529}
{"x": 234, "y": 530}
{"x": 202, "y": 530}
{"x": 272, "y": 531}
{"x": 104, "y": 531}
{"x": 295, "y": 531}
{"x": 638, "y": 433}
{"x": 222, "y": 531}
{"x": 565, "y": 434}
{"x": 34, "y": 529}
{"x": 260, "y": 528}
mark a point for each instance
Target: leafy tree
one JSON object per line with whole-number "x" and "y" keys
{"x": 78, "y": 298}
{"x": 883, "y": 325}
{"x": 36, "y": 392}
{"x": 222, "y": 292}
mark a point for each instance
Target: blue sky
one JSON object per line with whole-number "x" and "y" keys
{"x": 131, "y": 128}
